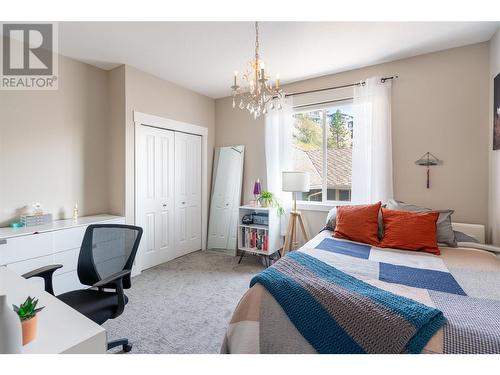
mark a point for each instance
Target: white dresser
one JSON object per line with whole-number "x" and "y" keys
{"x": 25, "y": 249}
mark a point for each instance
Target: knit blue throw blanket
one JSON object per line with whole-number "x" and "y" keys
{"x": 337, "y": 313}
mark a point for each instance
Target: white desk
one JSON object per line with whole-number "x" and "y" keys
{"x": 61, "y": 329}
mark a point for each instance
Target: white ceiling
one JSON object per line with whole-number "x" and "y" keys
{"x": 202, "y": 56}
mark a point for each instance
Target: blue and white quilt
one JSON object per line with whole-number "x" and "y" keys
{"x": 462, "y": 283}
{"x": 417, "y": 270}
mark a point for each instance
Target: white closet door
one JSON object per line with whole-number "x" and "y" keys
{"x": 187, "y": 193}
{"x": 155, "y": 184}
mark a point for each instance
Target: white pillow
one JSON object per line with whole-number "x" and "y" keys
{"x": 331, "y": 219}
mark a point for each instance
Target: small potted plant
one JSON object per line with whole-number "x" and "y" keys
{"x": 29, "y": 321}
{"x": 267, "y": 199}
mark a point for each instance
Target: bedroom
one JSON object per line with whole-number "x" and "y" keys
{"x": 143, "y": 189}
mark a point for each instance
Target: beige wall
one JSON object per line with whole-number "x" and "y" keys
{"x": 440, "y": 104}
{"x": 116, "y": 150}
{"x": 234, "y": 126}
{"x": 53, "y": 145}
{"x": 76, "y": 144}
{"x": 494, "y": 206}
{"x": 152, "y": 95}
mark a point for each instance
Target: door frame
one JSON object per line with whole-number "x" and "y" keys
{"x": 144, "y": 119}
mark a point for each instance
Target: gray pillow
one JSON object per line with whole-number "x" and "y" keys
{"x": 462, "y": 237}
{"x": 445, "y": 233}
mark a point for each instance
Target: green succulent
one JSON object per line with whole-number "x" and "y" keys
{"x": 267, "y": 199}
{"x": 27, "y": 309}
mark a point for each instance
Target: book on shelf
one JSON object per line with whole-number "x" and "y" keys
{"x": 254, "y": 239}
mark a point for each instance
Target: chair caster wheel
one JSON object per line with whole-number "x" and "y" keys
{"x": 127, "y": 348}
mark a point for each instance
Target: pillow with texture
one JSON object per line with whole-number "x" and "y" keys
{"x": 358, "y": 223}
{"x": 445, "y": 233}
{"x": 332, "y": 218}
{"x": 409, "y": 230}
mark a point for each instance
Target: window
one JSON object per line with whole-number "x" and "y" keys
{"x": 322, "y": 147}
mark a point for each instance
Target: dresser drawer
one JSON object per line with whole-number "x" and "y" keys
{"x": 25, "y": 247}
{"x": 66, "y": 239}
{"x": 29, "y": 265}
{"x": 68, "y": 259}
{"x": 67, "y": 282}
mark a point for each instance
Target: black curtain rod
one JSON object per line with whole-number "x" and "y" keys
{"x": 383, "y": 79}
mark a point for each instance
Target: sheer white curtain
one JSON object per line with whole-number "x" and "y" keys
{"x": 278, "y": 133}
{"x": 372, "y": 145}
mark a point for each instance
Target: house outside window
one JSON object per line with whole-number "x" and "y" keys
{"x": 322, "y": 147}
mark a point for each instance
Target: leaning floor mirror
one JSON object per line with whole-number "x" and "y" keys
{"x": 226, "y": 198}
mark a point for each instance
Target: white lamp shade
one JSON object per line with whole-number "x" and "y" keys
{"x": 296, "y": 182}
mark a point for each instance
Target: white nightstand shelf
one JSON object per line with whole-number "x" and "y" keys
{"x": 257, "y": 239}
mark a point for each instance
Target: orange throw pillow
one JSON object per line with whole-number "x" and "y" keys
{"x": 358, "y": 223}
{"x": 410, "y": 230}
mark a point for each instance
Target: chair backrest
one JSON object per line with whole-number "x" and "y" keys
{"x": 107, "y": 249}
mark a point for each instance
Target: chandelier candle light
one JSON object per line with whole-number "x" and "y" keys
{"x": 259, "y": 96}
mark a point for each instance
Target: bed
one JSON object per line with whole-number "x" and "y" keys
{"x": 459, "y": 288}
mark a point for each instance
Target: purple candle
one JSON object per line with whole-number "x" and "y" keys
{"x": 257, "y": 188}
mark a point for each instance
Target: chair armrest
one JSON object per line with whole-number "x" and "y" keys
{"x": 39, "y": 272}
{"x": 45, "y": 273}
{"x": 115, "y": 281}
{"x": 113, "y": 278}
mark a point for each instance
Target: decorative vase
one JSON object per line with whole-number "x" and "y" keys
{"x": 10, "y": 329}
{"x": 30, "y": 329}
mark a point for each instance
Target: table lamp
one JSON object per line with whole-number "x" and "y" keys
{"x": 295, "y": 182}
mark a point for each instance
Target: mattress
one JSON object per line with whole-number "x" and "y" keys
{"x": 463, "y": 283}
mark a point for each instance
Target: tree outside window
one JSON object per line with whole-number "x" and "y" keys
{"x": 329, "y": 167}
{"x": 340, "y": 135}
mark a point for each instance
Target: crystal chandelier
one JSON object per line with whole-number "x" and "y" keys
{"x": 259, "y": 95}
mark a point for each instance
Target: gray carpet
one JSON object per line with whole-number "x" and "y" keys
{"x": 183, "y": 306}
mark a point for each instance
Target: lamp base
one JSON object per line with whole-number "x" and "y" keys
{"x": 291, "y": 235}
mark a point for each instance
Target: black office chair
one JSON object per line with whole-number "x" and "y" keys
{"x": 105, "y": 262}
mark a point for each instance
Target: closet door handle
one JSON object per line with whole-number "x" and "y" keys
{"x": 183, "y": 202}
{"x": 164, "y": 205}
